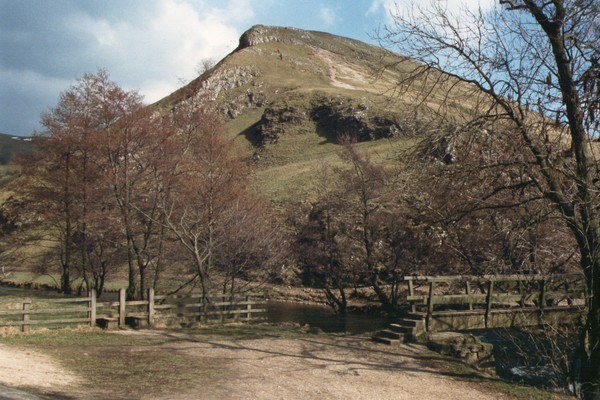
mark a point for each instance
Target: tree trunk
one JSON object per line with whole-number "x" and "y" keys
{"x": 590, "y": 337}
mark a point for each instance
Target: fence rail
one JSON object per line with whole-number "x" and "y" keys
{"x": 138, "y": 313}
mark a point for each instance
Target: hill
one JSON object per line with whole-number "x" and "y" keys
{"x": 288, "y": 94}
{"x": 11, "y": 145}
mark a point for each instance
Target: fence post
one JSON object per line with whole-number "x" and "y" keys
{"x": 150, "y": 307}
{"x": 248, "y": 308}
{"x": 121, "y": 308}
{"x": 411, "y": 292}
{"x": 429, "y": 306}
{"x": 26, "y": 308}
{"x": 542, "y": 298}
{"x": 92, "y": 308}
{"x": 468, "y": 290}
{"x": 488, "y": 302}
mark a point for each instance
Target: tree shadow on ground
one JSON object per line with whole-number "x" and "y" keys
{"x": 358, "y": 353}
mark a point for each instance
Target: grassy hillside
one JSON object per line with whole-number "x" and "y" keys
{"x": 287, "y": 94}
{"x": 10, "y": 145}
{"x": 8, "y": 148}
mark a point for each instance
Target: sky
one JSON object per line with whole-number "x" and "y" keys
{"x": 151, "y": 46}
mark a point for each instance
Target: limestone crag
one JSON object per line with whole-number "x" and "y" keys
{"x": 358, "y": 119}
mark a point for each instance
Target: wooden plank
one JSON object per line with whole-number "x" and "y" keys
{"x": 68, "y": 300}
{"x": 136, "y": 315}
{"x": 458, "y": 299}
{"x": 411, "y": 292}
{"x": 48, "y": 311}
{"x": 44, "y": 322}
{"x": 137, "y": 303}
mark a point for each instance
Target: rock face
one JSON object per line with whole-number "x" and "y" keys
{"x": 276, "y": 118}
{"x": 359, "y": 120}
{"x": 260, "y": 34}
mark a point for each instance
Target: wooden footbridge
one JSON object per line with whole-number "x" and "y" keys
{"x": 462, "y": 303}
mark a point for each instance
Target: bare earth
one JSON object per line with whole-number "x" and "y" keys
{"x": 313, "y": 367}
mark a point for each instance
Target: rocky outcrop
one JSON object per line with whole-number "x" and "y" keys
{"x": 228, "y": 91}
{"x": 276, "y": 119}
{"x": 360, "y": 120}
{"x": 465, "y": 347}
{"x": 333, "y": 116}
{"x": 260, "y": 34}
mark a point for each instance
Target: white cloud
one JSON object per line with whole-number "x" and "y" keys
{"x": 401, "y": 7}
{"x": 382, "y": 6}
{"x": 328, "y": 16}
{"x": 152, "y": 55}
{"x": 237, "y": 11}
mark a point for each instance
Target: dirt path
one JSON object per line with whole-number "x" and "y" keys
{"x": 311, "y": 367}
{"x": 322, "y": 368}
{"x": 30, "y": 369}
{"x": 340, "y": 70}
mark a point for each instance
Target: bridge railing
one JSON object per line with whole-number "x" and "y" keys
{"x": 466, "y": 294}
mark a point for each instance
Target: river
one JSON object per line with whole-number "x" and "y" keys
{"x": 324, "y": 318}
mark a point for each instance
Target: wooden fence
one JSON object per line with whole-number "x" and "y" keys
{"x": 447, "y": 296}
{"x": 139, "y": 313}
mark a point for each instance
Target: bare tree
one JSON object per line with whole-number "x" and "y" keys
{"x": 208, "y": 205}
{"x": 527, "y": 69}
{"x": 64, "y": 173}
{"x": 205, "y": 65}
{"x": 359, "y": 232}
{"x": 319, "y": 245}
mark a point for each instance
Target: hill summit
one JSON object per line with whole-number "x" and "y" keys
{"x": 288, "y": 94}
